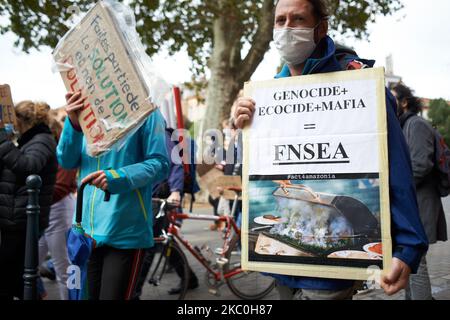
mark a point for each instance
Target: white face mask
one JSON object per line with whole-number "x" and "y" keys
{"x": 295, "y": 45}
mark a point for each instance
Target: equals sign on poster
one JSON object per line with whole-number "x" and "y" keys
{"x": 310, "y": 126}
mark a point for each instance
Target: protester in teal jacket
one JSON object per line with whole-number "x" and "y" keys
{"x": 125, "y": 221}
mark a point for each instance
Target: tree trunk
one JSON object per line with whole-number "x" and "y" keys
{"x": 228, "y": 70}
{"x": 222, "y": 91}
{"x": 222, "y": 86}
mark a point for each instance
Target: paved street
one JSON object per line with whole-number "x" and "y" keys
{"x": 438, "y": 259}
{"x": 197, "y": 232}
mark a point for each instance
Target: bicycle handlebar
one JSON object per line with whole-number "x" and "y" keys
{"x": 172, "y": 204}
{"x": 79, "y": 211}
{"x": 235, "y": 189}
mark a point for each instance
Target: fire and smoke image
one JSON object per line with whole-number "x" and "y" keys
{"x": 323, "y": 222}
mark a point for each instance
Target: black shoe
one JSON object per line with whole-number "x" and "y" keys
{"x": 175, "y": 290}
{"x": 192, "y": 285}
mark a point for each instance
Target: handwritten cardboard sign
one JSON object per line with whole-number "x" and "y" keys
{"x": 7, "y": 114}
{"x": 97, "y": 57}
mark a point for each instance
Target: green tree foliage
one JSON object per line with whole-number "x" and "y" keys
{"x": 228, "y": 38}
{"x": 440, "y": 115}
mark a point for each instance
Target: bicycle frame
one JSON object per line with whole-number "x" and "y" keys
{"x": 174, "y": 231}
{"x": 221, "y": 271}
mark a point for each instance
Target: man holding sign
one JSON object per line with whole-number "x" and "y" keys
{"x": 300, "y": 34}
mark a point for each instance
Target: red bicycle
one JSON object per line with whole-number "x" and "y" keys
{"x": 169, "y": 263}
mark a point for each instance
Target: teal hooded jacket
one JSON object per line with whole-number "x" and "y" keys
{"x": 124, "y": 222}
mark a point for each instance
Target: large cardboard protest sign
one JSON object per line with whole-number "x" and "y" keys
{"x": 7, "y": 113}
{"x": 97, "y": 56}
{"x": 316, "y": 189}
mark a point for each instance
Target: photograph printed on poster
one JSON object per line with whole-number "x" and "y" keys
{"x": 326, "y": 222}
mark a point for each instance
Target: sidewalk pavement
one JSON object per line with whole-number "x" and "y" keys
{"x": 198, "y": 233}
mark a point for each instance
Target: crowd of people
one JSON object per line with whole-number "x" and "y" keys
{"x": 123, "y": 227}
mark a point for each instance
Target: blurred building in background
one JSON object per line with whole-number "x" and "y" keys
{"x": 392, "y": 79}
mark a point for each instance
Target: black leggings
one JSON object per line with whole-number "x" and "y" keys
{"x": 113, "y": 273}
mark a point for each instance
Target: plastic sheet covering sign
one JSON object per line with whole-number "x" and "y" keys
{"x": 7, "y": 113}
{"x": 316, "y": 198}
{"x": 99, "y": 56}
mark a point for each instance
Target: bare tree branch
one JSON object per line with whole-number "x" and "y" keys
{"x": 263, "y": 37}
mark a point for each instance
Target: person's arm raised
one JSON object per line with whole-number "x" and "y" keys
{"x": 71, "y": 140}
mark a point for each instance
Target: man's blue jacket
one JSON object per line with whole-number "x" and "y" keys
{"x": 409, "y": 239}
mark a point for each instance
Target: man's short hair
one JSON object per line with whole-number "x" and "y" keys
{"x": 320, "y": 10}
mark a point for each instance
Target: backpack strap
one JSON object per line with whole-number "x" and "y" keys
{"x": 349, "y": 60}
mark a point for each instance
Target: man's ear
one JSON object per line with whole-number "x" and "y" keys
{"x": 321, "y": 31}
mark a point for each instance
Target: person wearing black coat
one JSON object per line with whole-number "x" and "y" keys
{"x": 35, "y": 153}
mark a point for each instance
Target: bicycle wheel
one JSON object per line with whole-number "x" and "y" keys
{"x": 168, "y": 267}
{"x": 246, "y": 285}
